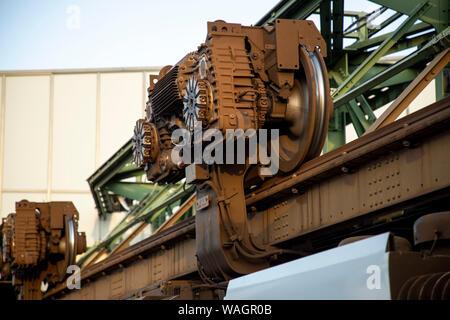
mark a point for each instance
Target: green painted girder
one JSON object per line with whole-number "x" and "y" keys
{"x": 325, "y": 25}
{"x": 341, "y": 67}
{"x": 154, "y": 196}
{"x": 153, "y": 212}
{"x": 401, "y": 76}
{"x": 356, "y": 75}
{"x": 332, "y": 36}
{"x": 366, "y": 109}
{"x": 290, "y": 9}
{"x": 358, "y": 57}
{"x": 338, "y": 27}
{"x": 338, "y": 7}
{"x": 361, "y": 114}
{"x": 119, "y": 166}
{"x": 435, "y": 45}
{"x": 406, "y": 75}
{"x": 383, "y": 98}
{"x": 129, "y": 168}
{"x": 375, "y": 41}
{"x": 438, "y": 14}
{"x": 168, "y": 196}
{"x": 106, "y": 173}
{"x": 129, "y": 174}
{"x": 131, "y": 190}
{"x": 357, "y": 118}
{"x": 169, "y": 200}
{"x": 336, "y": 131}
{"x": 385, "y": 23}
{"x": 359, "y": 27}
{"x": 372, "y": 75}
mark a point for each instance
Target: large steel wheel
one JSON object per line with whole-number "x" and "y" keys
{"x": 308, "y": 111}
{"x": 68, "y": 247}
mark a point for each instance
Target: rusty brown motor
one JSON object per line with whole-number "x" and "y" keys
{"x": 39, "y": 242}
{"x": 271, "y": 77}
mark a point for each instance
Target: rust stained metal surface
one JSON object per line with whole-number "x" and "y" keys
{"x": 397, "y": 167}
{"x": 401, "y": 134}
{"x": 288, "y": 38}
{"x": 163, "y": 256}
{"x": 39, "y": 242}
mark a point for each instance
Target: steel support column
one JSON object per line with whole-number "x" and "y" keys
{"x": 336, "y": 131}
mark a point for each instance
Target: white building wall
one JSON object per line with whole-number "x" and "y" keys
{"x": 57, "y": 127}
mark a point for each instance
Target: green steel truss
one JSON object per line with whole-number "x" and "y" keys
{"x": 117, "y": 186}
{"x": 361, "y": 77}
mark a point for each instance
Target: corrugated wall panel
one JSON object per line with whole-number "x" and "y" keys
{"x": 121, "y": 106}
{"x": 73, "y": 131}
{"x": 26, "y": 132}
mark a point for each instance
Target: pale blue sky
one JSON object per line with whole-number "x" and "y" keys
{"x": 55, "y": 34}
